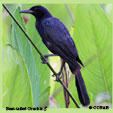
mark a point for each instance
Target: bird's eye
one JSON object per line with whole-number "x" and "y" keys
{"x": 35, "y": 8}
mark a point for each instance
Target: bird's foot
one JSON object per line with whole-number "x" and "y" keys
{"x": 57, "y": 77}
{"x": 44, "y": 61}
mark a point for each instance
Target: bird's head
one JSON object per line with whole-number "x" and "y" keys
{"x": 38, "y": 11}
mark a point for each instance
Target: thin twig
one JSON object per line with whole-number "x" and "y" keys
{"x": 40, "y": 54}
{"x": 63, "y": 88}
{"x": 65, "y": 81}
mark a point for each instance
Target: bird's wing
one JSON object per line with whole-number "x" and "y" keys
{"x": 57, "y": 34}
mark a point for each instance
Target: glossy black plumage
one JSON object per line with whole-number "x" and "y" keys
{"x": 57, "y": 39}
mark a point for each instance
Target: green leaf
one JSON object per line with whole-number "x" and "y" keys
{"x": 43, "y": 70}
{"x": 20, "y": 42}
{"x": 16, "y": 84}
{"x": 93, "y": 38}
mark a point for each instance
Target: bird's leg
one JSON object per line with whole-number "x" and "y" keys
{"x": 61, "y": 68}
{"x": 46, "y": 57}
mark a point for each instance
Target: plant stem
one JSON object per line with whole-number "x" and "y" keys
{"x": 40, "y": 54}
{"x": 69, "y": 10}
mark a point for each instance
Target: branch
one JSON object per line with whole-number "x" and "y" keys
{"x": 66, "y": 82}
{"x": 38, "y": 51}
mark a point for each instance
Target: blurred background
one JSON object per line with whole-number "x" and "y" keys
{"x": 28, "y": 82}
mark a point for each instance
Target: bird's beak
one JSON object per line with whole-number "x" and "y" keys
{"x": 26, "y": 11}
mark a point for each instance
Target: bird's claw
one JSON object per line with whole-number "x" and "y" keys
{"x": 57, "y": 77}
{"x": 44, "y": 61}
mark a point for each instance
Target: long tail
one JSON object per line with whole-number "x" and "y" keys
{"x": 81, "y": 88}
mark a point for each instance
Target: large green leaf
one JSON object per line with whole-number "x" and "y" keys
{"x": 16, "y": 84}
{"x": 43, "y": 70}
{"x": 93, "y": 39}
{"x": 20, "y": 42}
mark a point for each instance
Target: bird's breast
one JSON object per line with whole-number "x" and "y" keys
{"x": 44, "y": 38}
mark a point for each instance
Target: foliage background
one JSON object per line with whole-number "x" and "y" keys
{"x": 27, "y": 82}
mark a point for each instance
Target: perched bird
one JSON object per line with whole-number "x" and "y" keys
{"x": 57, "y": 39}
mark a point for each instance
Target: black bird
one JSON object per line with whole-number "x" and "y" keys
{"x": 57, "y": 39}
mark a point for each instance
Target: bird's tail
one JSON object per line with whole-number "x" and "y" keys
{"x": 81, "y": 88}
{"x": 79, "y": 82}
